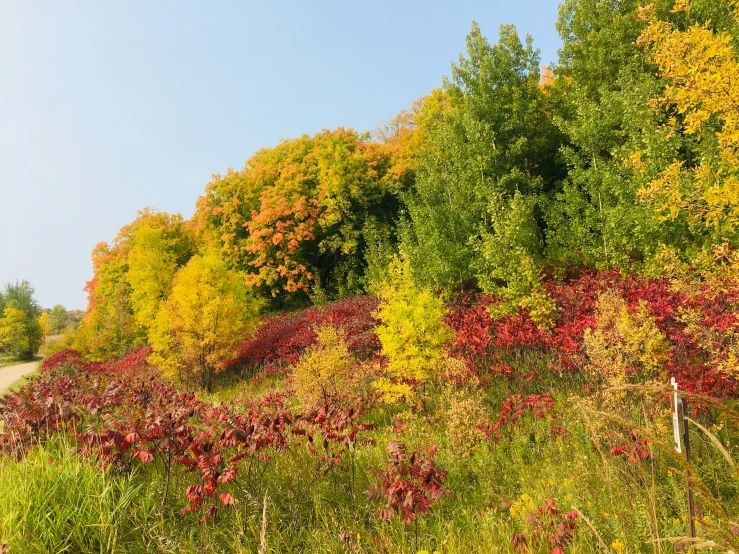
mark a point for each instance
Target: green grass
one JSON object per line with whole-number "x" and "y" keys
{"x": 53, "y": 501}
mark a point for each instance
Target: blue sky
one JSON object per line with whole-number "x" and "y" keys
{"x": 108, "y": 107}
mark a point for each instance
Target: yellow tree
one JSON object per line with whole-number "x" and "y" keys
{"x": 16, "y": 335}
{"x": 700, "y": 67}
{"x": 209, "y": 310}
{"x": 151, "y": 268}
{"x": 45, "y": 324}
{"x": 109, "y": 327}
{"x": 412, "y": 333}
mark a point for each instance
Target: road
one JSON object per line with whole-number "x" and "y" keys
{"x": 10, "y": 374}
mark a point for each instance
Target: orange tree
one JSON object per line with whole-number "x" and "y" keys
{"x": 124, "y": 282}
{"x": 296, "y": 213}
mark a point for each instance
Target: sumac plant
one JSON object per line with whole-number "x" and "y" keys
{"x": 699, "y": 328}
{"x": 282, "y": 338}
{"x": 124, "y": 414}
{"x": 550, "y": 524}
{"x": 515, "y": 407}
{"x": 409, "y": 484}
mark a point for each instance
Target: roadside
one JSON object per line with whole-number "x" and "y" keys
{"x": 9, "y": 375}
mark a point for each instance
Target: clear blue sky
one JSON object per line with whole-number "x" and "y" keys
{"x": 108, "y": 107}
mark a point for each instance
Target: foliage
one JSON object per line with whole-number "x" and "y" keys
{"x": 701, "y": 99}
{"x": 624, "y": 343}
{"x": 281, "y": 339}
{"x": 21, "y": 334}
{"x": 409, "y": 484}
{"x": 58, "y": 319}
{"x": 547, "y": 525}
{"x": 495, "y": 146}
{"x": 110, "y": 327}
{"x": 463, "y": 416}
{"x": 44, "y": 325}
{"x": 490, "y": 347}
{"x": 412, "y": 333}
{"x": 326, "y": 370}
{"x": 297, "y": 211}
{"x": 152, "y": 264}
{"x": 199, "y": 325}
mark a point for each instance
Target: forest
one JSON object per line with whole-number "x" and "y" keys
{"x": 453, "y": 333}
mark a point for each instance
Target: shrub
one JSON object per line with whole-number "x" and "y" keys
{"x": 409, "y": 484}
{"x": 624, "y": 343}
{"x": 281, "y": 339}
{"x": 324, "y": 371}
{"x": 463, "y": 415}
{"x": 413, "y": 334}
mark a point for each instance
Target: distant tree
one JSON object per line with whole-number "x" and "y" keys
{"x": 58, "y": 319}
{"x": 20, "y": 335}
{"x": 44, "y": 325}
{"x": 22, "y": 293}
{"x": 209, "y": 310}
{"x": 13, "y": 336}
{"x": 20, "y": 331}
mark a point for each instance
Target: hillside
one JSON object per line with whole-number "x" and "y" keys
{"x": 507, "y": 320}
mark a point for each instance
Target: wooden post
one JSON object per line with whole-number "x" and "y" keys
{"x": 681, "y": 431}
{"x": 691, "y": 505}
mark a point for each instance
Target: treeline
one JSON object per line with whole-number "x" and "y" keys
{"x": 625, "y": 154}
{"x": 24, "y": 325}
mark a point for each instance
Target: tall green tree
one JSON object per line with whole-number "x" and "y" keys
{"x": 617, "y": 141}
{"x": 58, "y": 319}
{"x": 496, "y": 148}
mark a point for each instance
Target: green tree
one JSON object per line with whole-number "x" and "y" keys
{"x": 58, "y": 319}
{"x": 22, "y": 294}
{"x": 495, "y": 144}
{"x": 617, "y": 142}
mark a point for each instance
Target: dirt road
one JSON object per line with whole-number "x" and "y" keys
{"x": 11, "y": 373}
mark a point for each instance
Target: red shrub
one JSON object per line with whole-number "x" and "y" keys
{"x": 282, "y": 338}
{"x": 490, "y": 346}
{"x": 409, "y": 484}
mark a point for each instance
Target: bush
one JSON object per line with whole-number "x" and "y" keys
{"x": 413, "y": 334}
{"x": 325, "y": 370}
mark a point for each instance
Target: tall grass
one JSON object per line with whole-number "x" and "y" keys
{"x": 54, "y": 501}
